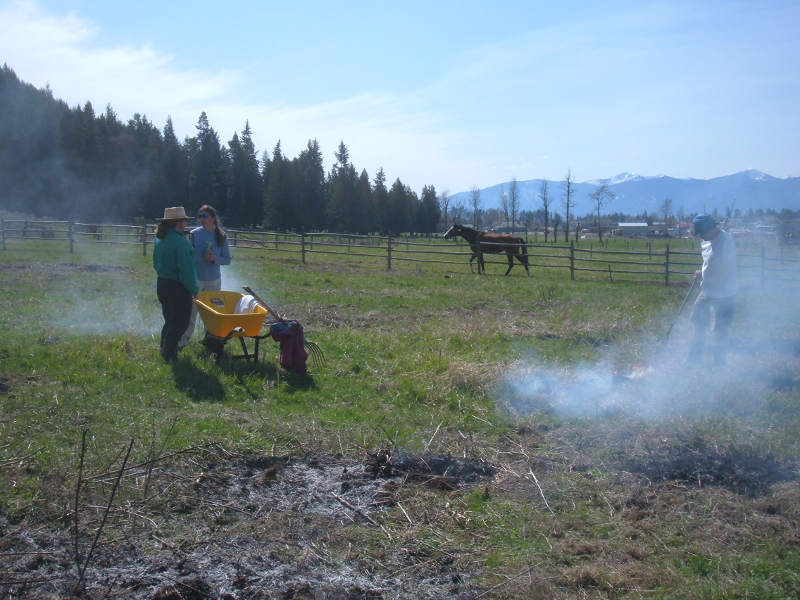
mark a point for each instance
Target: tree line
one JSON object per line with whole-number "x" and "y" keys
{"x": 68, "y": 162}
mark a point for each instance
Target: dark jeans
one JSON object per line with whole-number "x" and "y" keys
{"x": 723, "y": 317}
{"x": 176, "y": 306}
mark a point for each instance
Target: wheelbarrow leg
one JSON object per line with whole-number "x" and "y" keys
{"x": 244, "y": 349}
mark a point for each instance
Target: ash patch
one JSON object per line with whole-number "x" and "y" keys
{"x": 696, "y": 462}
{"x": 217, "y": 525}
{"x": 322, "y": 486}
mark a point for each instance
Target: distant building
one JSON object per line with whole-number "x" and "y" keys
{"x": 632, "y": 229}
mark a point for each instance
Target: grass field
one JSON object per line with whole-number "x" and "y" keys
{"x": 581, "y": 456}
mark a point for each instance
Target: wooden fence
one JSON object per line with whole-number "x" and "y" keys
{"x": 642, "y": 263}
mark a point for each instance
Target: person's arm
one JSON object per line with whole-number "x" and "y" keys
{"x": 223, "y": 254}
{"x": 187, "y": 273}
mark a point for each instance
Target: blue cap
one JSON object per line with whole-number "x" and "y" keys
{"x": 703, "y": 223}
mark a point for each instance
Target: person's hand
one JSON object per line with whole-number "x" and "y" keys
{"x": 697, "y": 273}
{"x": 210, "y": 256}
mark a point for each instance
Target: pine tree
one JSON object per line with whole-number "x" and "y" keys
{"x": 380, "y": 203}
{"x": 278, "y": 209}
{"x": 206, "y": 169}
{"x": 429, "y": 211}
{"x": 342, "y": 186}
{"x": 312, "y": 198}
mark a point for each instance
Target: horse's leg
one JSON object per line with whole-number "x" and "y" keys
{"x": 510, "y": 261}
{"x": 471, "y": 258}
{"x": 523, "y": 258}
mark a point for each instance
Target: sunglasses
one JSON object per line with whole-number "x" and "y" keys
{"x": 204, "y": 215}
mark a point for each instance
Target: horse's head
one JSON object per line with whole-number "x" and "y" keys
{"x": 452, "y": 232}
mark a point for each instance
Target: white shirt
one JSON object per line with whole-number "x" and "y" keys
{"x": 720, "y": 277}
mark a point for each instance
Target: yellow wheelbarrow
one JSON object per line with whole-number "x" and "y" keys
{"x": 226, "y": 316}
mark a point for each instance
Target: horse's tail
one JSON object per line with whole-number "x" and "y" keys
{"x": 524, "y": 257}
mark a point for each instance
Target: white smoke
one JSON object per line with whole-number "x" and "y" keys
{"x": 763, "y": 359}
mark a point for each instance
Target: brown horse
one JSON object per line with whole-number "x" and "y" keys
{"x": 481, "y": 242}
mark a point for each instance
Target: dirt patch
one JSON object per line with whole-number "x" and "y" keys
{"x": 243, "y": 526}
{"x": 699, "y": 463}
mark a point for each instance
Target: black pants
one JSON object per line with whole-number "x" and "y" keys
{"x": 176, "y": 306}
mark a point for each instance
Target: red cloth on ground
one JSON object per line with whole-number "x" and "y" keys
{"x": 289, "y": 334}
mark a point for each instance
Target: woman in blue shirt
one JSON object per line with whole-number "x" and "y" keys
{"x": 211, "y": 250}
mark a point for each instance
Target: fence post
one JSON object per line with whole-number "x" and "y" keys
{"x": 3, "y": 231}
{"x": 69, "y": 236}
{"x": 763, "y": 266}
{"x": 649, "y": 250}
{"x": 144, "y": 239}
{"x": 303, "y": 245}
{"x": 25, "y": 229}
{"x": 572, "y": 260}
{"x": 389, "y": 253}
{"x": 666, "y": 266}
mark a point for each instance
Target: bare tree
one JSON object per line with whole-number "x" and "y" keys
{"x": 475, "y": 198}
{"x": 545, "y": 198}
{"x": 444, "y": 203}
{"x": 556, "y": 223}
{"x": 666, "y": 210}
{"x": 504, "y": 206}
{"x": 459, "y": 211}
{"x": 568, "y": 199}
{"x": 513, "y": 203}
{"x": 601, "y": 196}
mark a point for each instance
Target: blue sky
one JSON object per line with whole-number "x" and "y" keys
{"x": 451, "y": 94}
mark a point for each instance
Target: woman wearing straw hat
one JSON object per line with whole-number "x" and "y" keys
{"x": 173, "y": 260}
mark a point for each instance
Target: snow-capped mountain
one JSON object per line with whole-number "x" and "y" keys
{"x": 635, "y": 194}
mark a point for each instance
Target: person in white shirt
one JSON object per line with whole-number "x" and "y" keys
{"x": 719, "y": 286}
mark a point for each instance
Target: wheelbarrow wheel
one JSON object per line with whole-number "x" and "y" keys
{"x": 213, "y": 345}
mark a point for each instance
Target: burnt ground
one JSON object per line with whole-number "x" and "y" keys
{"x": 216, "y": 525}
{"x": 698, "y": 462}
{"x": 208, "y": 523}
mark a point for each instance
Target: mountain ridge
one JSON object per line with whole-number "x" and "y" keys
{"x": 636, "y": 194}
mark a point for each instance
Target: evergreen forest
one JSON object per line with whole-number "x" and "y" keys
{"x": 72, "y": 163}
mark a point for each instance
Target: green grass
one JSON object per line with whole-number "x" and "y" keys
{"x": 416, "y": 358}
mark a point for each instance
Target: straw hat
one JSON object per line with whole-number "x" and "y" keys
{"x": 174, "y": 213}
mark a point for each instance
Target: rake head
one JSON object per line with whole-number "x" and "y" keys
{"x": 315, "y": 353}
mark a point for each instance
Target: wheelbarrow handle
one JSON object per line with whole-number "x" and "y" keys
{"x": 250, "y": 291}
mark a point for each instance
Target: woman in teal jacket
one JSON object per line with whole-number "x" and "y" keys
{"x": 173, "y": 260}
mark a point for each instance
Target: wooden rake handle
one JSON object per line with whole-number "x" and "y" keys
{"x": 250, "y": 291}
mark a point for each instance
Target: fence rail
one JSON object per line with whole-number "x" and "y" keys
{"x": 656, "y": 265}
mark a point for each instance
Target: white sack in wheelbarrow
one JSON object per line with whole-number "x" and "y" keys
{"x": 247, "y": 304}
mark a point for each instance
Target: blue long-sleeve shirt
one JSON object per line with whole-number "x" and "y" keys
{"x": 203, "y": 241}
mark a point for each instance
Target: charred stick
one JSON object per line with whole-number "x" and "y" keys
{"x": 103, "y": 522}
{"x": 77, "y": 498}
{"x": 355, "y": 509}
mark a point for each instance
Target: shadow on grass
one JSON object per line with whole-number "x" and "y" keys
{"x": 197, "y": 383}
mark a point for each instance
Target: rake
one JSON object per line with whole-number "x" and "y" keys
{"x": 680, "y": 310}
{"x": 314, "y": 351}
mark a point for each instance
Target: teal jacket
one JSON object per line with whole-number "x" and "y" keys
{"x": 173, "y": 258}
